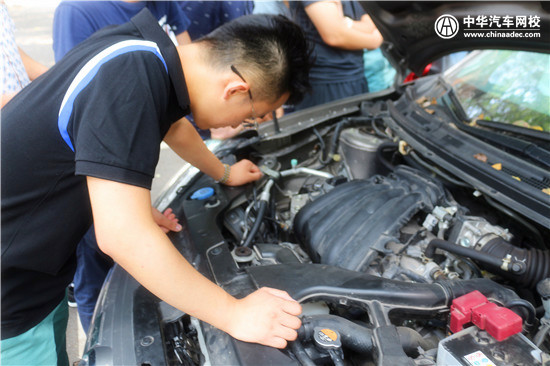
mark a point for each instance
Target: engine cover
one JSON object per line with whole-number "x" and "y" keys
{"x": 348, "y": 226}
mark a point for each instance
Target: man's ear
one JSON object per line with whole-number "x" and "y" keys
{"x": 235, "y": 87}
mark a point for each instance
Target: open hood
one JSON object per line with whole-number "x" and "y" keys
{"x": 411, "y": 40}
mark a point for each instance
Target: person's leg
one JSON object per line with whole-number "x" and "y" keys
{"x": 91, "y": 269}
{"x": 44, "y": 344}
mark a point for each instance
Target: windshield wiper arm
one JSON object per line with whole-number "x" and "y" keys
{"x": 528, "y": 132}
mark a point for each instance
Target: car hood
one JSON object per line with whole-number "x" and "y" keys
{"x": 412, "y": 42}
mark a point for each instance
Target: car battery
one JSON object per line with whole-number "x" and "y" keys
{"x": 475, "y": 347}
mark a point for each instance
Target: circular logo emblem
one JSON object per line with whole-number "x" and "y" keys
{"x": 446, "y": 26}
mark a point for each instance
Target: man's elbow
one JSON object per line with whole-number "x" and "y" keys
{"x": 333, "y": 39}
{"x": 106, "y": 247}
{"x": 106, "y": 242}
{"x": 375, "y": 41}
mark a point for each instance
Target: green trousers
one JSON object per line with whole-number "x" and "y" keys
{"x": 44, "y": 344}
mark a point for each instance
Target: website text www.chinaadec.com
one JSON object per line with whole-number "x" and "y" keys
{"x": 501, "y": 34}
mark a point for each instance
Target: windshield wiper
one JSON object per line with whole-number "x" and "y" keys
{"x": 526, "y": 148}
{"x": 529, "y": 149}
{"x": 501, "y": 126}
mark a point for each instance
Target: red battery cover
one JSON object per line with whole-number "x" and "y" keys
{"x": 500, "y": 322}
{"x": 461, "y": 309}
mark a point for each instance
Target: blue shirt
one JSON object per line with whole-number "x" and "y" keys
{"x": 206, "y": 16}
{"x": 75, "y": 21}
{"x": 331, "y": 63}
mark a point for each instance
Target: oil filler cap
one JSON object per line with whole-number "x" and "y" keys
{"x": 203, "y": 193}
{"x": 326, "y": 338}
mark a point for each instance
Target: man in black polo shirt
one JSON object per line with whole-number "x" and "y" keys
{"x": 84, "y": 138}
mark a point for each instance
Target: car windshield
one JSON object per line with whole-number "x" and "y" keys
{"x": 504, "y": 86}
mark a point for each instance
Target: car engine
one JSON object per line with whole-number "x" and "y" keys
{"x": 381, "y": 248}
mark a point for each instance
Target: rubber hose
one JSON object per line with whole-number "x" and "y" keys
{"x": 335, "y": 358}
{"x": 411, "y": 340}
{"x": 359, "y": 338}
{"x": 314, "y": 281}
{"x": 524, "y": 304}
{"x": 386, "y": 146}
{"x": 301, "y": 354}
{"x": 348, "y": 122}
{"x": 463, "y": 251}
{"x": 398, "y": 294}
{"x": 257, "y": 224}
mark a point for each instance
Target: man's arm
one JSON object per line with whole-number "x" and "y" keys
{"x": 183, "y": 38}
{"x": 126, "y": 231}
{"x": 329, "y": 20}
{"x": 185, "y": 141}
{"x": 33, "y": 68}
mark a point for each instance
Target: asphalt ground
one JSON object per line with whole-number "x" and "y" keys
{"x": 33, "y": 22}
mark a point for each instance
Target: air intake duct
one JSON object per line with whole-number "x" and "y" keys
{"x": 537, "y": 262}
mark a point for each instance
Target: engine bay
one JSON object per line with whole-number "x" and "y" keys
{"x": 379, "y": 245}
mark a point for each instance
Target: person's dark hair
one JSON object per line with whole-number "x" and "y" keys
{"x": 270, "y": 51}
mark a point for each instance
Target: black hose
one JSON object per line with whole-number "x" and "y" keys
{"x": 320, "y": 138}
{"x": 276, "y": 122}
{"x": 434, "y": 170}
{"x": 335, "y": 358}
{"x": 347, "y": 122}
{"x": 460, "y": 250}
{"x": 272, "y": 218}
{"x": 301, "y": 354}
{"x": 257, "y": 224}
{"x": 472, "y": 266}
{"x": 531, "y": 312}
{"x": 411, "y": 340}
{"x": 527, "y": 267}
{"x": 379, "y": 133}
{"x": 379, "y": 154}
{"x": 358, "y": 338}
{"x": 331, "y": 284}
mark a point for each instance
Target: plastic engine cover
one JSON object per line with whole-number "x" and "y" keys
{"x": 349, "y": 225}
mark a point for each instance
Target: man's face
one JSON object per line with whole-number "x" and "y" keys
{"x": 234, "y": 111}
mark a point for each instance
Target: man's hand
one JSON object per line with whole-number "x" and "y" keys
{"x": 243, "y": 172}
{"x": 279, "y": 112}
{"x": 167, "y": 220}
{"x": 266, "y": 316}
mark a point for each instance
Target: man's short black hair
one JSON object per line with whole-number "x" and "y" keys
{"x": 270, "y": 51}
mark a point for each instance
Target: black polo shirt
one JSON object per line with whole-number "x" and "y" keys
{"x": 101, "y": 111}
